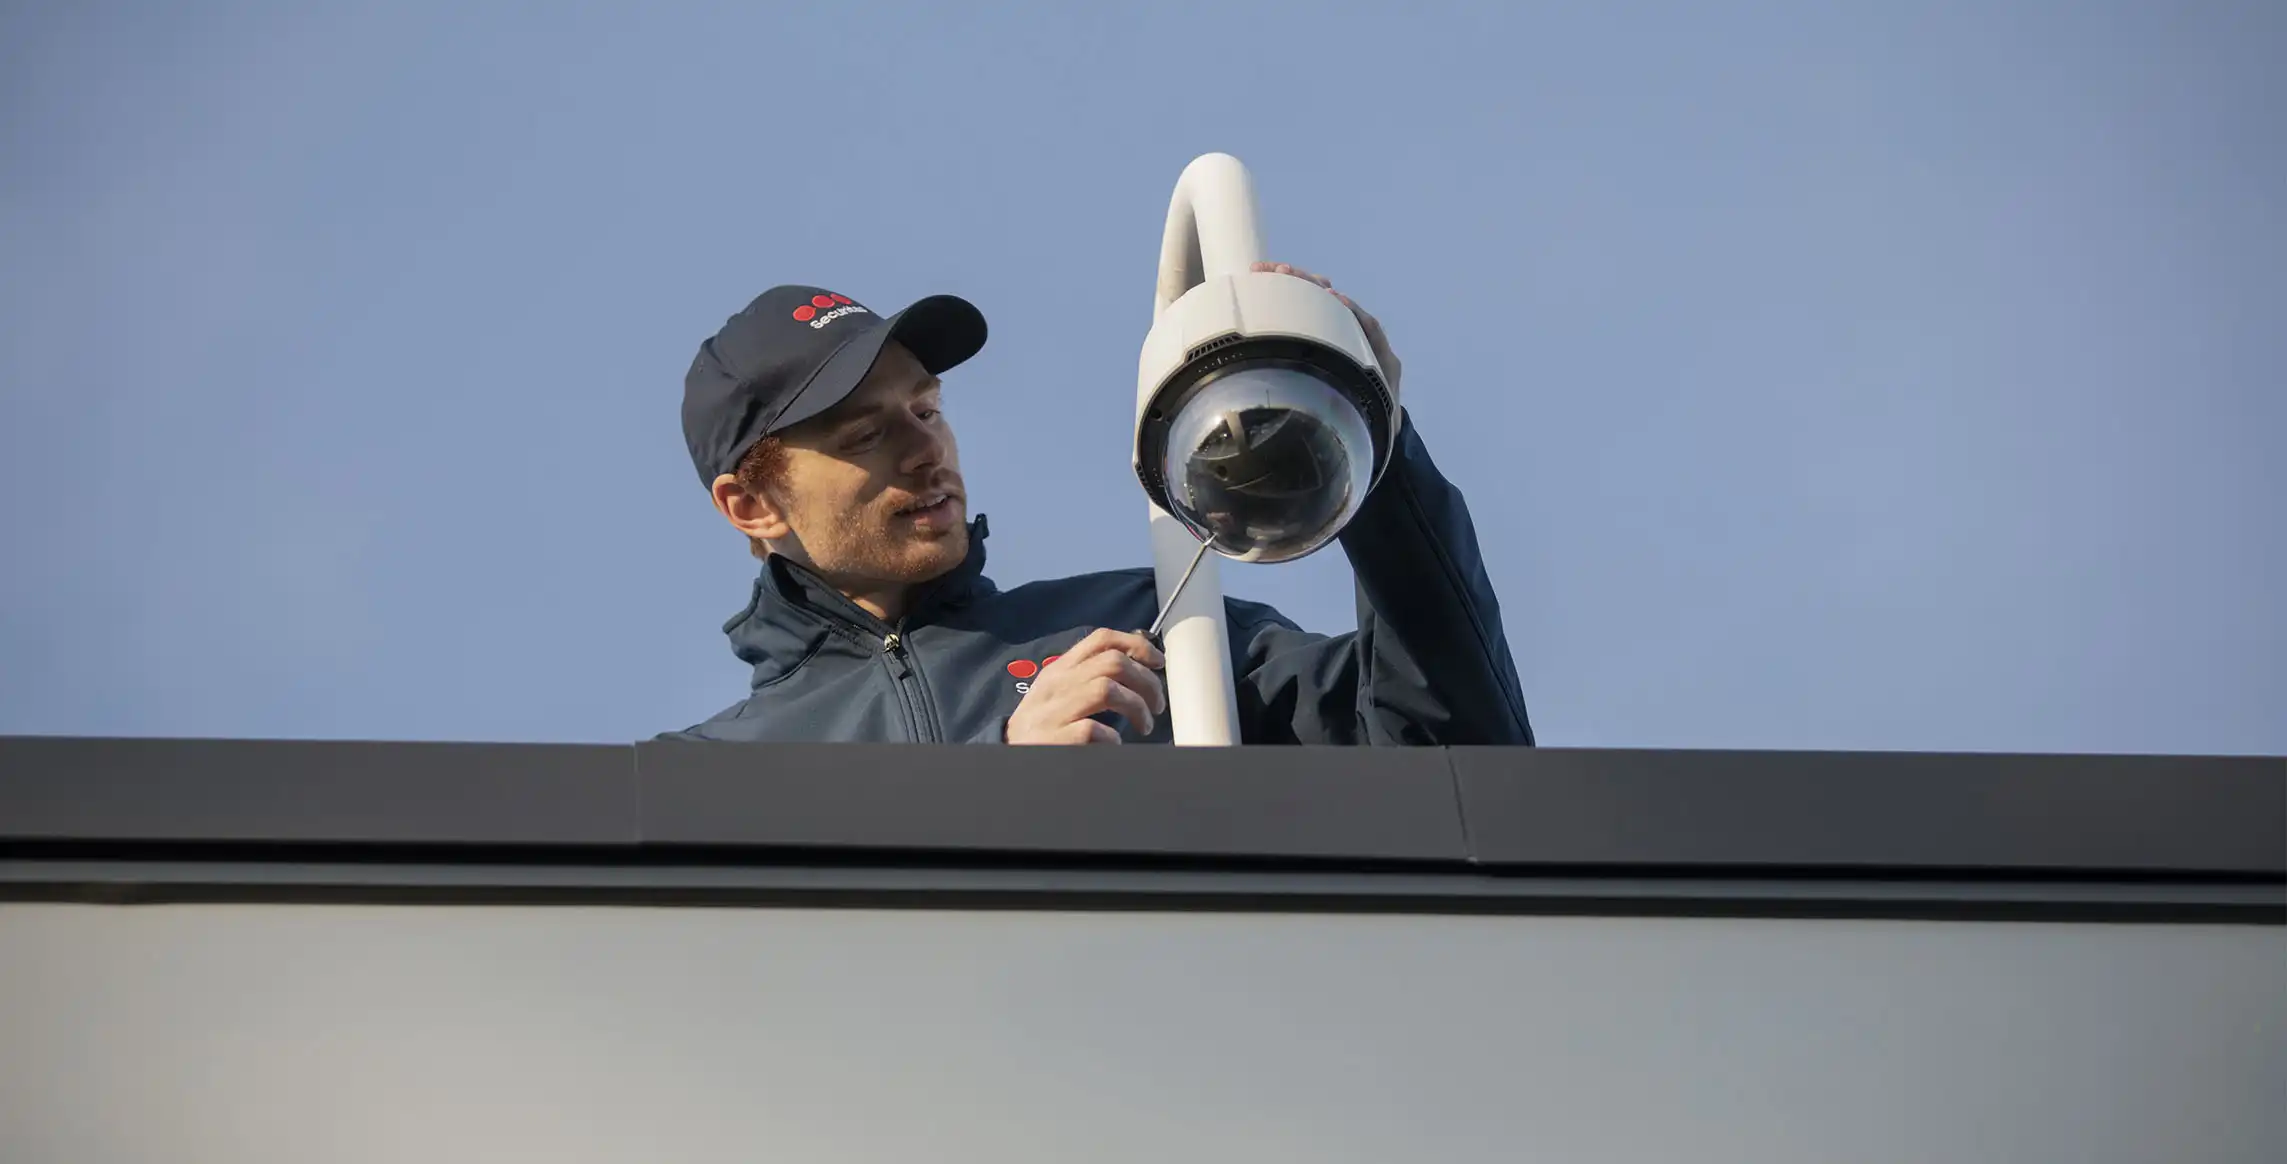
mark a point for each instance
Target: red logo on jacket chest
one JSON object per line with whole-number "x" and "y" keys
{"x": 1025, "y": 669}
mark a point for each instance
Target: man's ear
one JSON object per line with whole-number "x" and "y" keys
{"x": 755, "y": 515}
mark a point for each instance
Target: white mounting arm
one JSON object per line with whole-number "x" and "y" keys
{"x": 1211, "y": 233}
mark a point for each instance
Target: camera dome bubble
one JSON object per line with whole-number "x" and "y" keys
{"x": 1267, "y": 463}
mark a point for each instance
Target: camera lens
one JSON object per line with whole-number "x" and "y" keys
{"x": 1267, "y": 463}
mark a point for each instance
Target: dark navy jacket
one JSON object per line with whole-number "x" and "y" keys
{"x": 1428, "y": 664}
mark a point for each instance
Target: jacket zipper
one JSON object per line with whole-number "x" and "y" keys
{"x": 920, "y": 718}
{"x": 904, "y": 670}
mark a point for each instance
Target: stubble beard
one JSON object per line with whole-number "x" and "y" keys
{"x": 879, "y": 546}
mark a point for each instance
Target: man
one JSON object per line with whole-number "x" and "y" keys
{"x": 818, "y": 428}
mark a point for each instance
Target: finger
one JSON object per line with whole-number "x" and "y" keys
{"x": 1094, "y": 643}
{"x": 1366, "y": 318}
{"x": 1149, "y": 689}
{"x": 1134, "y": 695}
{"x": 1086, "y": 731}
{"x": 1299, "y": 273}
{"x": 1133, "y": 644}
{"x": 1101, "y": 694}
{"x": 1142, "y": 696}
{"x": 1135, "y": 677}
{"x": 1291, "y": 269}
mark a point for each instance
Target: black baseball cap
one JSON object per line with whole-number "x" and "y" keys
{"x": 797, "y": 351}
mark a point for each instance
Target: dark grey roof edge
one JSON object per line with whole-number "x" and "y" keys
{"x": 56, "y": 788}
{"x": 2224, "y": 815}
{"x": 912, "y": 887}
{"x": 1508, "y": 810}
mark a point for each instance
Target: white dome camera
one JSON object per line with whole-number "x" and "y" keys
{"x": 1264, "y": 418}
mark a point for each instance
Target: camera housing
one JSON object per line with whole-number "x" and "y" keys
{"x": 1265, "y": 419}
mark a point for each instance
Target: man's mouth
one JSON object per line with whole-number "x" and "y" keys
{"x": 930, "y": 507}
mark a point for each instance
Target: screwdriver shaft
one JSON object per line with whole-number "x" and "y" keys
{"x": 1157, "y": 623}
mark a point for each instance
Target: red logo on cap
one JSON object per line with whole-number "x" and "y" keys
{"x": 810, "y": 310}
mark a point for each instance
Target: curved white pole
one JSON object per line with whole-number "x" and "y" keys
{"x": 1211, "y": 233}
{"x": 1212, "y": 229}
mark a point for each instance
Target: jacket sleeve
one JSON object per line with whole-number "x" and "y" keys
{"x": 1429, "y": 663}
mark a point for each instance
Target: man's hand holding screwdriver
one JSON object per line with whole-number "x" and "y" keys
{"x": 1110, "y": 670}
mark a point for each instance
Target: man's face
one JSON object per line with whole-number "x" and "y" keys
{"x": 872, "y": 492}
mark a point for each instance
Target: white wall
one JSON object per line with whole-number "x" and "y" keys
{"x": 300, "y": 1035}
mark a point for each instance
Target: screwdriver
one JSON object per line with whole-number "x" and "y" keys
{"x": 1161, "y": 621}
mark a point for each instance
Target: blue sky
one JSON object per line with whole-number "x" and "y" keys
{"x": 1883, "y": 376}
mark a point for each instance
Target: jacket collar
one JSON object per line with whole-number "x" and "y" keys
{"x": 792, "y": 608}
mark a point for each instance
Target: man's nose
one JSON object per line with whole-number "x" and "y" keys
{"x": 924, "y": 448}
